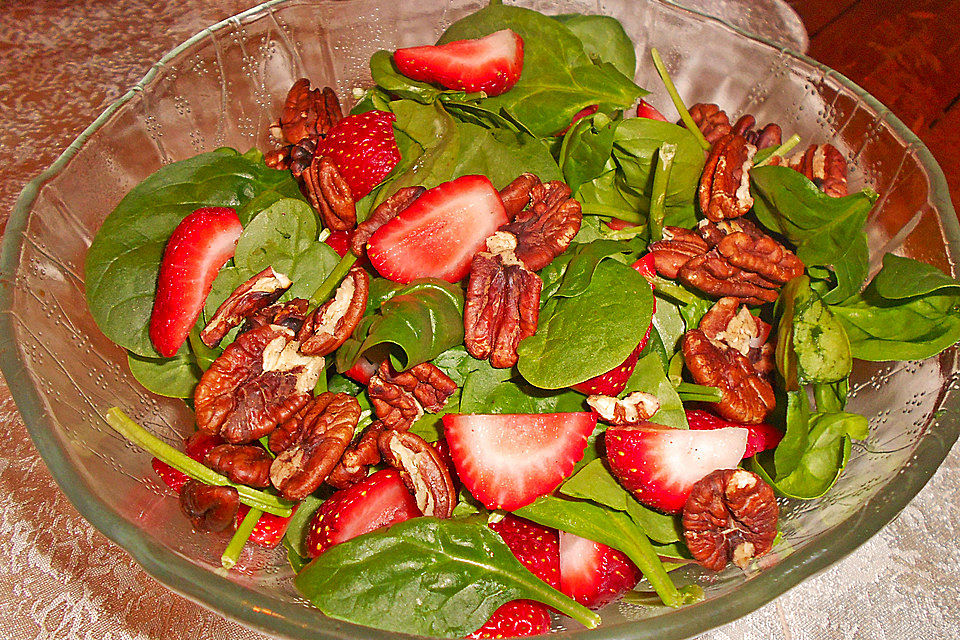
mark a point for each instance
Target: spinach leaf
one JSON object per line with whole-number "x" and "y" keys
{"x": 826, "y": 231}
{"x": 586, "y": 150}
{"x": 558, "y": 77}
{"x": 650, "y": 377}
{"x": 490, "y": 390}
{"x": 788, "y": 453}
{"x": 900, "y": 278}
{"x": 603, "y": 39}
{"x": 386, "y": 76}
{"x": 300, "y": 521}
{"x": 457, "y": 573}
{"x": 174, "y": 377}
{"x": 584, "y": 261}
{"x": 587, "y": 335}
{"x": 419, "y": 322}
{"x": 123, "y": 261}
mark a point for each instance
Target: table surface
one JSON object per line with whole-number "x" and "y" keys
{"x": 63, "y": 61}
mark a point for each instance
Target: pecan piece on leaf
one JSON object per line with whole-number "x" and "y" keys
{"x": 209, "y": 507}
{"x": 359, "y": 455}
{"x": 259, "y": 380}
{"x": 399, "y": 399}
{"x": 730, "y": 324}
{"x": 633, "y": 408}
{"x": 516, "y": 195}
{"x": 724, "y": 190}
{"x": 731, "y": 514}
{"x": 825, "y": 166}
{"x": 422, "y": 470}
{"x": 763, "y": 256}
{"x": 546, "y": 227}
{"x": 385, "y": 211}
{"x": 745, "y": 395}
{"x": 307, "y": 113}
{"x": 711, "y": 120}
{"x": 260, "y": 291}
{"x": 329, "y": 325}
{"x": 330, "y": 194}
{"x": 324, "y": 428}
{"x": 715, "y": 276}
{"x": 678, "y": 246}
{"x": 243, "y": 463}
{"x": 502, "y": 306}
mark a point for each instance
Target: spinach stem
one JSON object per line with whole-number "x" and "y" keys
{"x": 566, "y": 605}
{"x": 122, "y": 424}
{"x": 677, "y": 101}
{"x": 595, "y": 209}
{"x": 231, "y": 554}
{"x": 658, "y": 199}
{"x": 640, "y": 550}
{"x": 690, "y": 392}
{"x": 331, "y": 281}
{"x": 791, "y": 142}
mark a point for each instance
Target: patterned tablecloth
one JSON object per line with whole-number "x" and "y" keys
{"x": 61, "y": 63}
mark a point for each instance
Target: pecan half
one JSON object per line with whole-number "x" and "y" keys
{"x": 678, "y": 246}
{"x": 711, "y": 120}
{"x": 243, "y": 463}
{"x": 361, "y": 454}
{"x": 714, "y": 275}
{"x": 422, "y": 470}
{"x": 329, "y": 325}
{"x": 385, "y": 211}
{"x": 399, "y": 399}
{"x": 289, "y": 314}
{"x": 825, "y": 166}
{"x": 209, "y": 507}
{"x": 325, "y": 427}
{"x": 259, "y": 380}
{"x": 501, "y": 309}
{"x": 769, "y": 136}
{"x": 745, "y": 395}
{"x": 763, "y": 256}
{"x": 307, "y": 113}
{"x": 731, "y": 514}
{"x": 260, "y": 291}
{"x": 724, "y": 190}
{"x": 546, "y": 227}
{"x": 330, "y": 194}
{"x": 633, "y": 408}
{"x": 294, "y": 157}
{"x": 516, "y": 195}
{"x": 731, "y": 325}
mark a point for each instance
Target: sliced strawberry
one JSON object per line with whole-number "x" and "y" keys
{"x": 515, "y": 619}
{"x": 618, "y": 225}
{"x": 362, "y": 371}
{"x": 644, "y": 266}
{"x": 592, "y": 573}
{"x": 438, "y": 235}
{"x": 491, "y": 64}
{"x": 364, "y": 149}
{"x": 379, "y": 501}
{"x": 660, "y": 465}
{"x": 537, "y": 547}
{"x": 196, "y": 446}
{"x": 614, "y": 381}
{"x": 579, "y": 115}
{"x": 339, "y": 241}
{"x": 762, "y": 436}
{"x": 646, "y": 110}
{"x": 198, "y": 247}
{"x": 171, "y": 477}
{"x": 508, "y": 461}
{"x": 269, "y": 529}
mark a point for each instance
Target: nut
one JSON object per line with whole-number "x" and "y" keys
{"x": 728, "y": 324}
{"x": 501, "y": 309}
{"x": 633, "y": 408}
{"x": 324, "y": 428}
{"x": 288, "y": 314}
{"x": 711, "y": 120}
{"x": 731, "y": 514}
{"x": 359, "y": 455}
{"x": 714, "y": 275}
{"x": 307, "y": 113}
{"x": 724, "y": 190}
{"x": 763, "y": 256}
{"x": 546, "y": 227}
{"x": 259, "y": 380}
{"x": 329, "y": 325}
{"x": 769, "y": 136}
{"x": 330, "y": 194}
{"x": 825, "y": 166}
{"x": 294, "y": 157}
{"x": 516, "y": 195}
{"x": 422, "y": 470}
{"x": 209, "y": 507}
{"x": 745, "y": 395}
{"x": 243, "y": 463}
{"x": 385, "y": 211}
{"x": 260, "y": 291}
{"x": 399, "y": 399}
{"x": 678, "y": 246}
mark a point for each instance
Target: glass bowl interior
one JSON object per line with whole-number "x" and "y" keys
{"x": 224, "y": 87}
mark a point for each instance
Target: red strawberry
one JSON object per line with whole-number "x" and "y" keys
{"x": 198, "y": 247}
{"x": 438, "y": 235}
{"x": 364, "y": 149}
{"x": 508, "y": 461}
{"x": 339, "y": 241}
{"x": 537, "y": 547}
{"x": 362, "y": 371}
{"x": 583, "y": 113}
{"x": 514, "y": 619}
{"x": 762, "y": 436}
{"x": 379, "y": 501}
{"x": 592, "y": 573}
{"x": 646, "y": 110}
{"x": 196, "y": 446}
{"x": 618, "y": 225}
{"x": 659, "y": 465}
{"x": 269, "y": 529}
{"x": 491, "y": 64}
{"x": 171, "y": 477}
{"x": 644, "y": 266}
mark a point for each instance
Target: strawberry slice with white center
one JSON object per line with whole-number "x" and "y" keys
{"x": 508, "y": 461}
{"x": 438, "y": 235}
{"x": 592, "y": 573}
{"x": 198, "y": 247}
{"x": 762, "y": 436}
{"x": 659, "y": 465}
{"x": 364, "y": 149}
{"x": 491, "y": 64}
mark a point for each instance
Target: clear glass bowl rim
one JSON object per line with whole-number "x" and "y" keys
{"x": 295, "y": 621}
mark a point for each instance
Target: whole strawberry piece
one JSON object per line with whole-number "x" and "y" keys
{"x": 196, "y": 446}
{"x": 659, "y": 465}
{"x": 515, "y": 619}
{"x": 592, "y": 573}
{"x": 269, "y": 529}
{"x": 508, "y": 461}
{"x": 491, "y": 64}
{"x": 762, "y": 436}
{"x": 536, "y": 547}
{"x": 379, "y": 501}
{"x": 438, "y": 235}
{"x": 364, "y": 149}
{"x": 198, "y": 247}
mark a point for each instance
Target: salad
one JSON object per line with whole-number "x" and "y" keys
{"x": 502, "y": 339}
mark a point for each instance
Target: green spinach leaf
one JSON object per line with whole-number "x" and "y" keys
{"x": 900, "y": 278}
{"x": 650, "y": 377}
{"x": 490, "y": 390}
{"x": 604, "y": 40}
{"x": 174, "y": 377}
{"x": 809, "y": 338}
{"x": 586, "y": 150}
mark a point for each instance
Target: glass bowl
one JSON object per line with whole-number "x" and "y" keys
{"x": 224, "y": 87}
